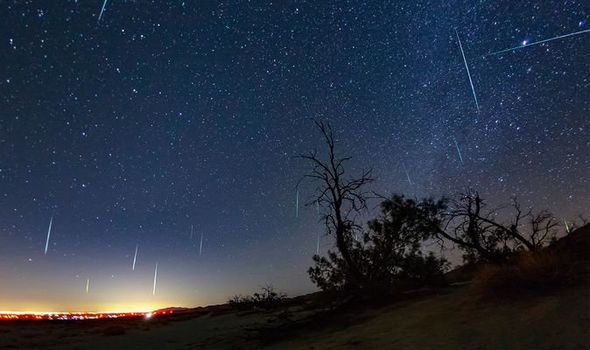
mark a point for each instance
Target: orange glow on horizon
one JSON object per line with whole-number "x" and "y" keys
{"x": 26, "y": 312}
{"x": 35, "y": 308}
{"x": 115, "y": 308}
{"x": 40, "y": 315}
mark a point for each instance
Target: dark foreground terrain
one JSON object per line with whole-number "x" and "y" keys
{"x": 456, "y": 317}
{"x": 453, "y": 319}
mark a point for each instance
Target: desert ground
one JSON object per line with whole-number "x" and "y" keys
{"x": 452, "y": 318}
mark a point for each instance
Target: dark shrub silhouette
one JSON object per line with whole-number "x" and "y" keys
{"x": 561, "y": 263}
{"x": 531, "y": 271}
{"x": 267, "y": 298}
{"x": 389, "y": 255}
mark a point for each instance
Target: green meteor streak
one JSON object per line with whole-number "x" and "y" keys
{"x": 539, "y": 42}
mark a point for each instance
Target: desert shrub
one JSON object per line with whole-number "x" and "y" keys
{"x": 530, "y": 271}
{"x": 547, "y": 268}
{"x": 267, "y": 298}
{"x": 389, "y": 257}
{"x": 328, "y": 273}
{"x": 421, "y": 270}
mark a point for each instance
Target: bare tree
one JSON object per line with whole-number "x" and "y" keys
{"x": 342, "y": 197}
{"x": 475, "y": 228}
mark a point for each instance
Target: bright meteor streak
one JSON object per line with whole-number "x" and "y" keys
{"x": 468, "y": 73}
{"x": 104, "y": 5}
{"x": 539, "y": 42}
{"x": 458, "y": 150}
{"x": 201, "y": 245}
{"x": 155, "y": 279}
{"x": 48, "y": 234}
{"x": 135, "y": 257}
{"x": 87, "y": 284}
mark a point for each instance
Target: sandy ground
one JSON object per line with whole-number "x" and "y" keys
{"x": 460, "y": 321}
{"x": 454, "y": 319}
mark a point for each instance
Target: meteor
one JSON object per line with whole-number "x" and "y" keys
{"x": 567, "y": 227}
{"x": 468, "y": 73}
{"x": 155, "y": 279}
{"x": 191, "y": 232}
{"x": 87, "y": 284}
{"x": 407, "y": 174}
{"x": 104, "y": 5}
{"x": 317, "y": 248}
{"x": 135, "y": 257}
{"x": 458, "y": 150}
{"x": 525, "y": 44}
{"x": 48, "y": 234}
{"x": 201, "y": 245}
{"x": 297, "y": 204}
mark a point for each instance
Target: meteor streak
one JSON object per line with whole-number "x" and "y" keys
{"x": 155, "y": 279}
{"x": 297, "y": 204}
{"x": 135, "y": 257}
{"x": 407, "y": 174}
{"x": 458, "y": 150}
{"x": 48, "y": 234}
{"x": 87, "y": 284}
{"x": 539, "y": 42}
{"x": 317, "y": 248}
{"x": 104, "y": 5}
{"x": 201, "y": 245}
{"x": 468, "y": 73}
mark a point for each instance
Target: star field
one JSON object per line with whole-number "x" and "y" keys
{"x": 166, "y": 114}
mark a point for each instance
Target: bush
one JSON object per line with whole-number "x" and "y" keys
{"x": 424, "y": 270}
{"x": 388, "y": 258}
{"x": 329, "y": 274}
{"x": 267, "y": 298}
{"x": 534, "y": 272}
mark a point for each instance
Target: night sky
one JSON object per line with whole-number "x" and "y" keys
{"x": 165, "y": 114}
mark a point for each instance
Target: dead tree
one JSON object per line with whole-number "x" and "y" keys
{"x": 342, "y": 197}
{"x": 472, "y": 226}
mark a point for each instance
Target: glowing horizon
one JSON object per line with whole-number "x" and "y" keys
{"x": 11, "y": 312}
{"x": 107, "y": 310}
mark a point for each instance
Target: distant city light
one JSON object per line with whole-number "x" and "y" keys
{"x": 13, "y": 315}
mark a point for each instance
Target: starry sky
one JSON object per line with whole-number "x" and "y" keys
{"x": 162, "y": 115}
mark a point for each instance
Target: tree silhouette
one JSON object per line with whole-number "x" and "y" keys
{"x": 479, "y": 231}
{"x": 390, "y": 255}
{"x": 342, "y": 197}
{"x": 393, "y": 246}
